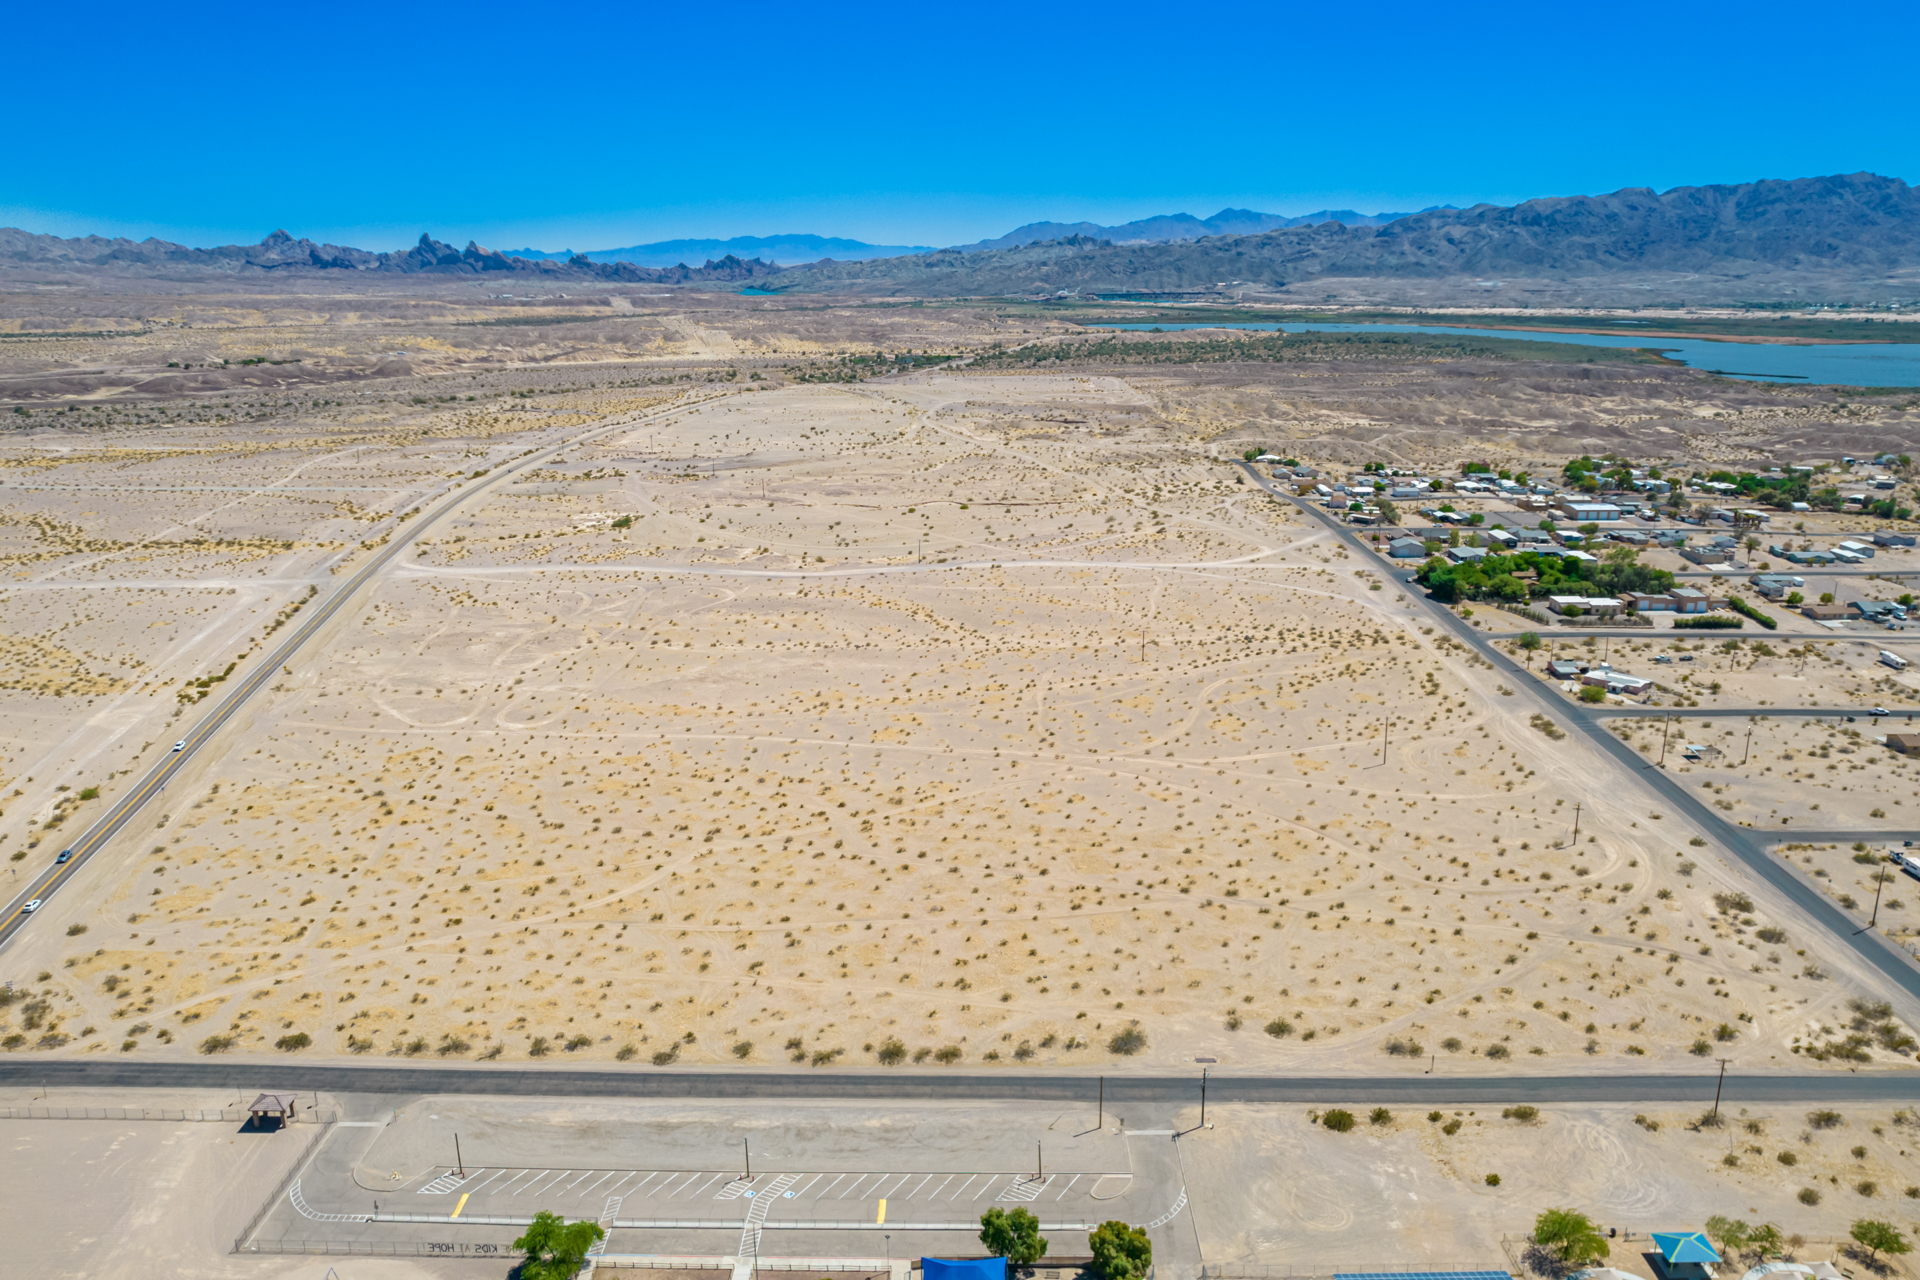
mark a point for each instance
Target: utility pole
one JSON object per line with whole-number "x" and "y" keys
{"x": 1749, "y": 749}
{"x": 1100, "y": 1119}
{"x": 1039, "y": 1164}
{"x": 746, "y": 1145}
{"x": 1203, "y": 1096}
{"x": 1718, "y": 1086}
{"x": 1664, "y": 723}
{"x": 1879, "y": 879}
{"x": 1576, "y": 822}
{"x": 459, "y": 1163}
{"x": 1386, "y": 732}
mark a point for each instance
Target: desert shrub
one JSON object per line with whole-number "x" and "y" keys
{"x": 1788, "y": 1158}
{"x": 947, "y": 1054}
{"x": 1523, "y": 1112}
{"x": 1128, "y": 1041}
{"x": 1772, "y": 934}
{"x": 1733, "y": 904}
{"x": 1337, "y": 1120}
{"x": 539, "y": 1047}
{"x": 1407, "y": 1048}
{"x": 1808, "y": 1196}
{"x": 742, "y": 1049}
{"x": 1499, "y": 1051}
{"x": 451, "y": 1043}
{"x": 891, "y": 1053}
{"x": 1825, "y": 1119}
{"x": 217, "y": 1044}
{"x": 298, "y": 1040}
{"x": 1279, "y": 1028}
{"x": 1380, "y": 1115}
{"x": 1450, "y": 1128}
{"x": 1701, "y": 1048}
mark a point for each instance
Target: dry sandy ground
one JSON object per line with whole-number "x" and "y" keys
{"x": 984, "y": 716}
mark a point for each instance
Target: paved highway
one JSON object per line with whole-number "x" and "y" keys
{"x": 1745, "y": 844}
{"x": 56, "y": 877}
{"x": 479, "y": 1078}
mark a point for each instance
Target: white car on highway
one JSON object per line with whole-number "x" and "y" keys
{"x": 180, "y": 745}
{"x": 32, "y": 906}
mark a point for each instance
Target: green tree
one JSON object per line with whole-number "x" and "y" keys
{"x": 1570, "y": 1234}
{"x": 1764, "y": 1241}
{"x": 1878, "y": 1238}
{"x": 1592, "y": 693}
{"x": 1013, "y": 1234}
{"x": 554, "y": 1247}
{"x": 1120, "y": 1252}
{"x": 1388, "y": 512}
{"x": 1731, "y": 1234}
{"x": 1794, "y": 597}
{"x": 1531, "y": 642}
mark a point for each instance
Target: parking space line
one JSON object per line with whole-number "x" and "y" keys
{"x": 984, "y": 1189}
{"x": 964, "y": 1185}
{"x": 803, "y": 1190}
{"x": 896, "y": 1186}
{"x": 643, "y": 1182}
{"x": 582, "y": 1178}
{"x": 524, "y": 1173}
{"x": 709, "y": 1182}
{"x": 616, "y": 1186}
{"x": 556, "y": 1177}
{"x": 850, "y": 1193}
{"x": 942, "y": 1187}
{"x": 497, "y": 1173}
{"x": 916, "y": 1191}
{"x": 830, "y": 1186}
{"x": 603, "y": 1177}
{"x": 1068, "y": 1187}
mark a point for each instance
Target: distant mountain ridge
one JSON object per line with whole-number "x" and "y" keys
{"x": 1861, "y": 223}
{"x": 283, "y": 252}
{"x": 787, "y": 248}
{"x": 1184, "y": 226}
{"x": 1860, "y": 226}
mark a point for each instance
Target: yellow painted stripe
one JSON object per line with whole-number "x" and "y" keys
{"x": 463, "y": 1204}
{"x": 883, "y": 1214}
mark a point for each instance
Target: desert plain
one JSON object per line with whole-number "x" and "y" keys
{"x": 783, "y": 712}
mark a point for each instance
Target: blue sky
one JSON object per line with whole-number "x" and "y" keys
{"x": 594, "y": 125}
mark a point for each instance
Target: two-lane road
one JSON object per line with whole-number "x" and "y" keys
{"x": 1745, "y": 844}
{"x": 43, "y": 885}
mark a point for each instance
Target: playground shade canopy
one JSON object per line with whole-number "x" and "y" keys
{"x": 1685, "y": 1246}
{"x": 969, "y": 1269}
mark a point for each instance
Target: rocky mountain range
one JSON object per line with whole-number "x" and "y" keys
{"x": 281, "y": 252}
{"x": 1745, "y": 241}
{"x": 787, "y": 248}
{"x": 1181, "y": 226}
{"x": 1861, "y": 227}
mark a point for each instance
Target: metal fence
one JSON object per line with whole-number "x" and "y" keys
{"x": 228, "y": 1115}
{"x": 381, "y": 1248}
{"x": 1326, "y": 1270}
{"x": 293, "y": 1172}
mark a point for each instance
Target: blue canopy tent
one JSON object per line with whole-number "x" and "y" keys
{"x": 971, "y": 1269}
{"x": 1685, "y": 1255}
{"x": 1685, "y": 1246}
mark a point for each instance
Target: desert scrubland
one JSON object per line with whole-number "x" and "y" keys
{"x": 960, "y": 716}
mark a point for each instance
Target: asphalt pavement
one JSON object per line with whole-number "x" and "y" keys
{"x": 406, "y": 1080}
{"x": 1745, "y": 844}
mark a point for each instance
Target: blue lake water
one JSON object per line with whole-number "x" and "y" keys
{"x": 1853, "y": 364}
